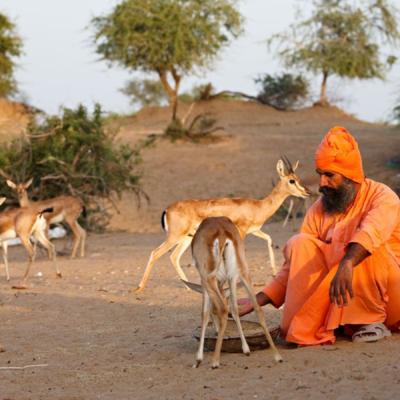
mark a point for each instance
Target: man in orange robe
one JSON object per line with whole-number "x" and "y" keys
{"x": 343, "y": 267}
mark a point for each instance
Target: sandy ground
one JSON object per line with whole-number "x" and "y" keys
{"x": 97, "y": 340}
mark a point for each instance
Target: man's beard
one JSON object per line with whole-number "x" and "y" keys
{"x": 337, "y": 201}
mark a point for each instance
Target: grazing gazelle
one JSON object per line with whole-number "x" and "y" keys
{"x": 296, "y": 203}
{"x": 218, "y": 254}
{"x": 22, "y": 223}
{"x": 66, "y": 208}
{"x": 181, "y": 219}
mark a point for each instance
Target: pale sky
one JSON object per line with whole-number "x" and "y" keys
{"x": 59, "y": 66}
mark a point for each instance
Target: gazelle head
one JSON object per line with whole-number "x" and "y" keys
{"x": 20, "y": 188}
{"x": 291, "y": 183}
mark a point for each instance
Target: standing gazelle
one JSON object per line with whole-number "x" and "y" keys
{"x": 66, "y": 208}
{"x": 22, "y": 223}
{"x": 218, "y": 254}
{"x": 181, "y": 219}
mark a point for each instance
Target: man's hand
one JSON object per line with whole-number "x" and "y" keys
{"x": 245, "y": 306}
{"x": 343, "y": 280}
{"x": 341, "y": 284}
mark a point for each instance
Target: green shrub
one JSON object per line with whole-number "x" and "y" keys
{"x": 73, "y": 155}
{"x": 201, "y": 128}
{"x": 285, "y": 92}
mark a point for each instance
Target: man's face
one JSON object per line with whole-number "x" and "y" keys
{"x": 338, "y": 192}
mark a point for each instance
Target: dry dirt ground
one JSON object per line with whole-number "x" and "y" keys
{"x": 96, "y": 340}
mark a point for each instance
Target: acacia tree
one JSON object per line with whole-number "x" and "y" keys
{"x": 10, "y": 47}
{"x": 342, "y": 38}
{"x": 170, "y": 37}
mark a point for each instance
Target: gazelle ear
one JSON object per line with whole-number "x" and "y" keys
{"x": 280, "y": 168}
{"x": 2, "y": 200}
{"x": 11, "y": 184}
{"x": 296, "y": 165}
{"x": 27, "y": 184}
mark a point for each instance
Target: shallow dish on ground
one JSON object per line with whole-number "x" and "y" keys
{"x": 253, "y": 332}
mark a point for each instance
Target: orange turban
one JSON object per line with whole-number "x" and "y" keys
{"x": 338, "y": 152}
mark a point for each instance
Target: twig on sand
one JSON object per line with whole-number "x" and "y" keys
{"x": 26, "y": 366}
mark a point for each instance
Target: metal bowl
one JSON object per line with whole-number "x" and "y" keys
{"x": 253, "y": 333}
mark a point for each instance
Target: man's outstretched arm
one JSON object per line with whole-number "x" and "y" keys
{"x": 246, "y": 305}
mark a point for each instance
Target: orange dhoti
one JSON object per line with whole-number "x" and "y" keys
{"x": 303, "y": 285}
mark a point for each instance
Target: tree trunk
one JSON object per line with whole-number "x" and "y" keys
{"x": 172, "y": 92}
{"x": 323, "y": 100}
{"x": 173, "y": 101}
{"x": 174, "y": 97}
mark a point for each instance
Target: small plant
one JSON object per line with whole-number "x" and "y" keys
{"x": 202, "y": 92}
{"x": 201, "y": 127}
{"x": 73, "y": 155}
{"x": 284, "y": 92}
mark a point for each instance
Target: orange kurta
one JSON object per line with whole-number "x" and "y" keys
{"x": 313, "y": 256}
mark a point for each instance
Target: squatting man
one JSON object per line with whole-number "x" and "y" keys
{"x": 343, "y": 267}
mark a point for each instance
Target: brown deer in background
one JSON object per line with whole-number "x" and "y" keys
{"x": 22, "y": 223}
{"x": 66, "y": 208}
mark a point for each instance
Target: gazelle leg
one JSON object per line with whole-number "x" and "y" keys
{"x": 177, "y": 254}
{"x": 222, "y": 311}
{"x": 169, "y": 243}
{"x": 245, "y": 278}
{"x": 50, "y": 249}
{"x": 205, "y": 316}
{"x": 28, "y": 246}
{"x": 289, "y": 212}
{"x": 83, "y": 240}
{"x": 4, "y": 248}
{"x": 235, "y": 315}
{"x": 268, "y": 239}
{"x": 299, "y": 203}
{"x": 48, "y": 238}
{"x": 77, "y": 230}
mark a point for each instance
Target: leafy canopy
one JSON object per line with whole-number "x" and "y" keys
{"x": 10, "y": 47}
{"x": 161, "y": 35}
{"x": 72, "y": 155}
{"x": 169, "y": 37}
{"x": 342, "y": 38}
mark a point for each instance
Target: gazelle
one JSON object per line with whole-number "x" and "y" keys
{"x": 22, "y": 223}
{"x": 181, "y": 219}
{"x": 66, "y": 208}
{"x": 218, "y": 254}
{"x": 312, "y": 184}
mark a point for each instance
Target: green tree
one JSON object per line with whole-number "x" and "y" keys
{"x": 170, "y": 37}
{"x": 146, "y": 92}
{"x": 283, "y": 92}
{"x": 10, "y": 48}
{"x": 342, "y": 38}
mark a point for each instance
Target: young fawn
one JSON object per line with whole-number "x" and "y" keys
{"x": 218, "y": 253}
{"x": 22, "y": 223}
